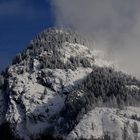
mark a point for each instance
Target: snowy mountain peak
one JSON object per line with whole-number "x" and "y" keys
{"x": 40, "y": 79}
{"x": 54, "y": 37}
{"x": 57, "y": 86}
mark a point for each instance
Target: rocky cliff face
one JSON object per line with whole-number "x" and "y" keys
{"x": 58, "y": 87}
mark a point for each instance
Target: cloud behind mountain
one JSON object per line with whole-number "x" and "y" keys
{"x": 113, "y": 25}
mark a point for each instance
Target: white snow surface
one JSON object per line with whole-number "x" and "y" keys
{"x": 111, "y": 121}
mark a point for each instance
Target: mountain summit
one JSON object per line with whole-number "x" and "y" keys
{"x": 58, "y": 88}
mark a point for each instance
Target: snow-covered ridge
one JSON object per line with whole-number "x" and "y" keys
{"x": 42, "y": 80}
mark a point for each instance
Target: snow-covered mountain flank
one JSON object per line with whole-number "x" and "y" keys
{"x": 58, "y": 88}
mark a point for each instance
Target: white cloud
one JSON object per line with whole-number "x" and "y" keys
{"x": 113, "y": 24}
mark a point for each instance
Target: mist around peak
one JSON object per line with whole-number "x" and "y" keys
{"x": 113, "y": 25}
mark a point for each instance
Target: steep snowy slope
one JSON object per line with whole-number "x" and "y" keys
{"x": 108, "y": 122}
{"x": 59, "y": 87}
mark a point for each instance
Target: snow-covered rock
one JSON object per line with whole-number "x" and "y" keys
{"x": 44, "y": 75}
{"x": 107, "y": 121}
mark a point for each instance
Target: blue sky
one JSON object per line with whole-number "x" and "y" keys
{"x": 20, "y": 21}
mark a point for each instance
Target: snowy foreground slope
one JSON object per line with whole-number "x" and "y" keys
{"x": 58, "y": 87}
{"x": 118, "y": 124}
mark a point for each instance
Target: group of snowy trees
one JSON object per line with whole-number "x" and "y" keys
{"x": 50, "y": 41}
{"x": 54, "y": 36}
{"x": 78, "y": 61}
{"x": 103, "y": 87}
{"x": 107, "y": 85}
